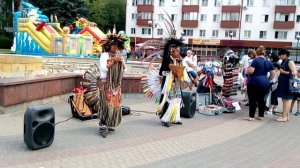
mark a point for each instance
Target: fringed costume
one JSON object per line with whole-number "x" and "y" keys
{"x": 111, "y": 113}
{"x": 171, "y": 98}
{"x": 171, "y": 74}
{"x": 106, "y": 91}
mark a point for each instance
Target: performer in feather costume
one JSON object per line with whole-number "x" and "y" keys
{"x": 170, "y": 78}
{"x": 104, "y": 95}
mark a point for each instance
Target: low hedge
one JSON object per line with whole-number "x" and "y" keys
{"x": 5, "y": 42}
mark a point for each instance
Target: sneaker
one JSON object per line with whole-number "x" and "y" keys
{"x": 269, "y": 112}
{"x": 291, "y": 111}
{"x": 297, "y": 113}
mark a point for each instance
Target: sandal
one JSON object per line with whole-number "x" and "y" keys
{"x": 260, "y": 118}
{"x": 280, "y": 119}
{"x": 249, "y": 119}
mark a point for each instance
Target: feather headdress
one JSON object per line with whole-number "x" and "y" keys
{"x": 164, "y": 45}
{"x": 114, "y": 38}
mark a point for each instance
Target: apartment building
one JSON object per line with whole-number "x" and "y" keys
{"x": 210, "y": 25}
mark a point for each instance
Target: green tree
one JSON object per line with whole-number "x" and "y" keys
{"x": 6, "y": 18}
{"x": 66, "y": 10}
{"x": 106, "y": 13}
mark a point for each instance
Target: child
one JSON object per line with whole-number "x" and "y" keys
{"x": 296, "y": 96}
{"x": 274, "y": 97}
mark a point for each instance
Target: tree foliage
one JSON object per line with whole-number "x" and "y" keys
{"x": 66, "y": 10}
{"x": 106, "y": 13}
{"x": 6, "y": 14}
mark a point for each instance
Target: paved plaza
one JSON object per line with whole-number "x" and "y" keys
{"x": 140, "y": 141}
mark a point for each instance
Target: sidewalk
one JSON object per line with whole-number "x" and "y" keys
{"x": 140, "y": 141}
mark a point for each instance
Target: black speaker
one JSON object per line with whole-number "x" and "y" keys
{"x": 125, "y": 110}
{"x": 39, "y": 124}
{"x": 189, "y": 104}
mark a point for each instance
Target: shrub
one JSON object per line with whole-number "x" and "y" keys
{"x": 5, "y": 42}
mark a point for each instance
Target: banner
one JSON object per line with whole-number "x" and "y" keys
{"x": 205, "y": 42}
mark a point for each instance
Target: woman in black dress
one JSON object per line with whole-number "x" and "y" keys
{"x": 287, "y": 70}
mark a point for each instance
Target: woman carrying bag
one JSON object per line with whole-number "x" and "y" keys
{"x": 287, "y": 71}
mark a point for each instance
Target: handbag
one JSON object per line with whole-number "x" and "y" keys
{"x": 294, "y": 85}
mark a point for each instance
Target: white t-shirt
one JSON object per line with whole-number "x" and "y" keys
{"x": 194, "y": 57}
{"x": 103, "y": 65}
{"x": 186, "y": 65}
{"x": 245, "y": 61}
{"x": 275, "y": 81}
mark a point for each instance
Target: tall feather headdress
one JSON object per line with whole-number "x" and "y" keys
{"x": 163, "y": 45}
{"x": 114, "y": 38}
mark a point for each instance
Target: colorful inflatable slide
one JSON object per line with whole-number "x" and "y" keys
{"x": 35, "y": 35}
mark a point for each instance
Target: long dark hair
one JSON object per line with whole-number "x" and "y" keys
{"x": 169, "y": 44}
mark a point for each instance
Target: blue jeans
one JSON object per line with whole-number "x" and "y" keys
{"x": 193, "y": 74}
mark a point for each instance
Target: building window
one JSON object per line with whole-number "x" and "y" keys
{"x": 203, "y": 17}
{"x": 132, "y": 30}
{"x": 146, "y": 31}
{"x": 190, "y": 16}
{"x": 248, "y": 19}
{"x": 216, "y": 18}
{"x": 296, "y": 34}
{"x": 281, "y": 35}
{"x": 174, "y": 3}
{"x": 174, "y": 17}
{"x": 284, "y": 17}
{"x": 187, "y": 32}
{"x": 231, "y": 16}
{"x": 265, "y": 3}
{"x": 134, "y": 2}
{"x": 231, "y": 2}
{"x": 160, "y": 31}
{"x": 160, "y": 17}
{"x": 298, "y": 18}
{"x": 285, "y": 2}
{"x": 161, "y": 2}
{"x": 202, "y": 33}
{"x": 215, "y": 33}
{"x": 247, "y": 34}
{"x": 204, "y": 3}
{"x": 249, "y": 2}
{"x": 228, "y": 32}
{"x": 262, "y": 34}
{"x": 190, "y": 2}
{"x": 133, "y": 16}
{"x": 144, "y": 15}
{"x": 265, "y": 18}
{"x": 144, "y": 2}
{"x": 217, "y": 3}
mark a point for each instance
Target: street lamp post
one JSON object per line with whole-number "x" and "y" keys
{"x": 153, "y": 25}
{"x": 230, "y": 35}
{"x": 298, "y": 38}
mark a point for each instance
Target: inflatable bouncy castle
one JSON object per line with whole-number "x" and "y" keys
{"x": 35, "y": 34}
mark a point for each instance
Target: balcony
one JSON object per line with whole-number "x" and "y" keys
{"x": 231, "y": 24}
{"x": 142, "y": 22}
{"x": 231, "y": 9}
{"x": 190, "y": 8}
{"x": 283, "y": 25}
{"x": 145, "y": 8}
{"x": 189, "y": 23}
{"x": 285, "y": 9}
